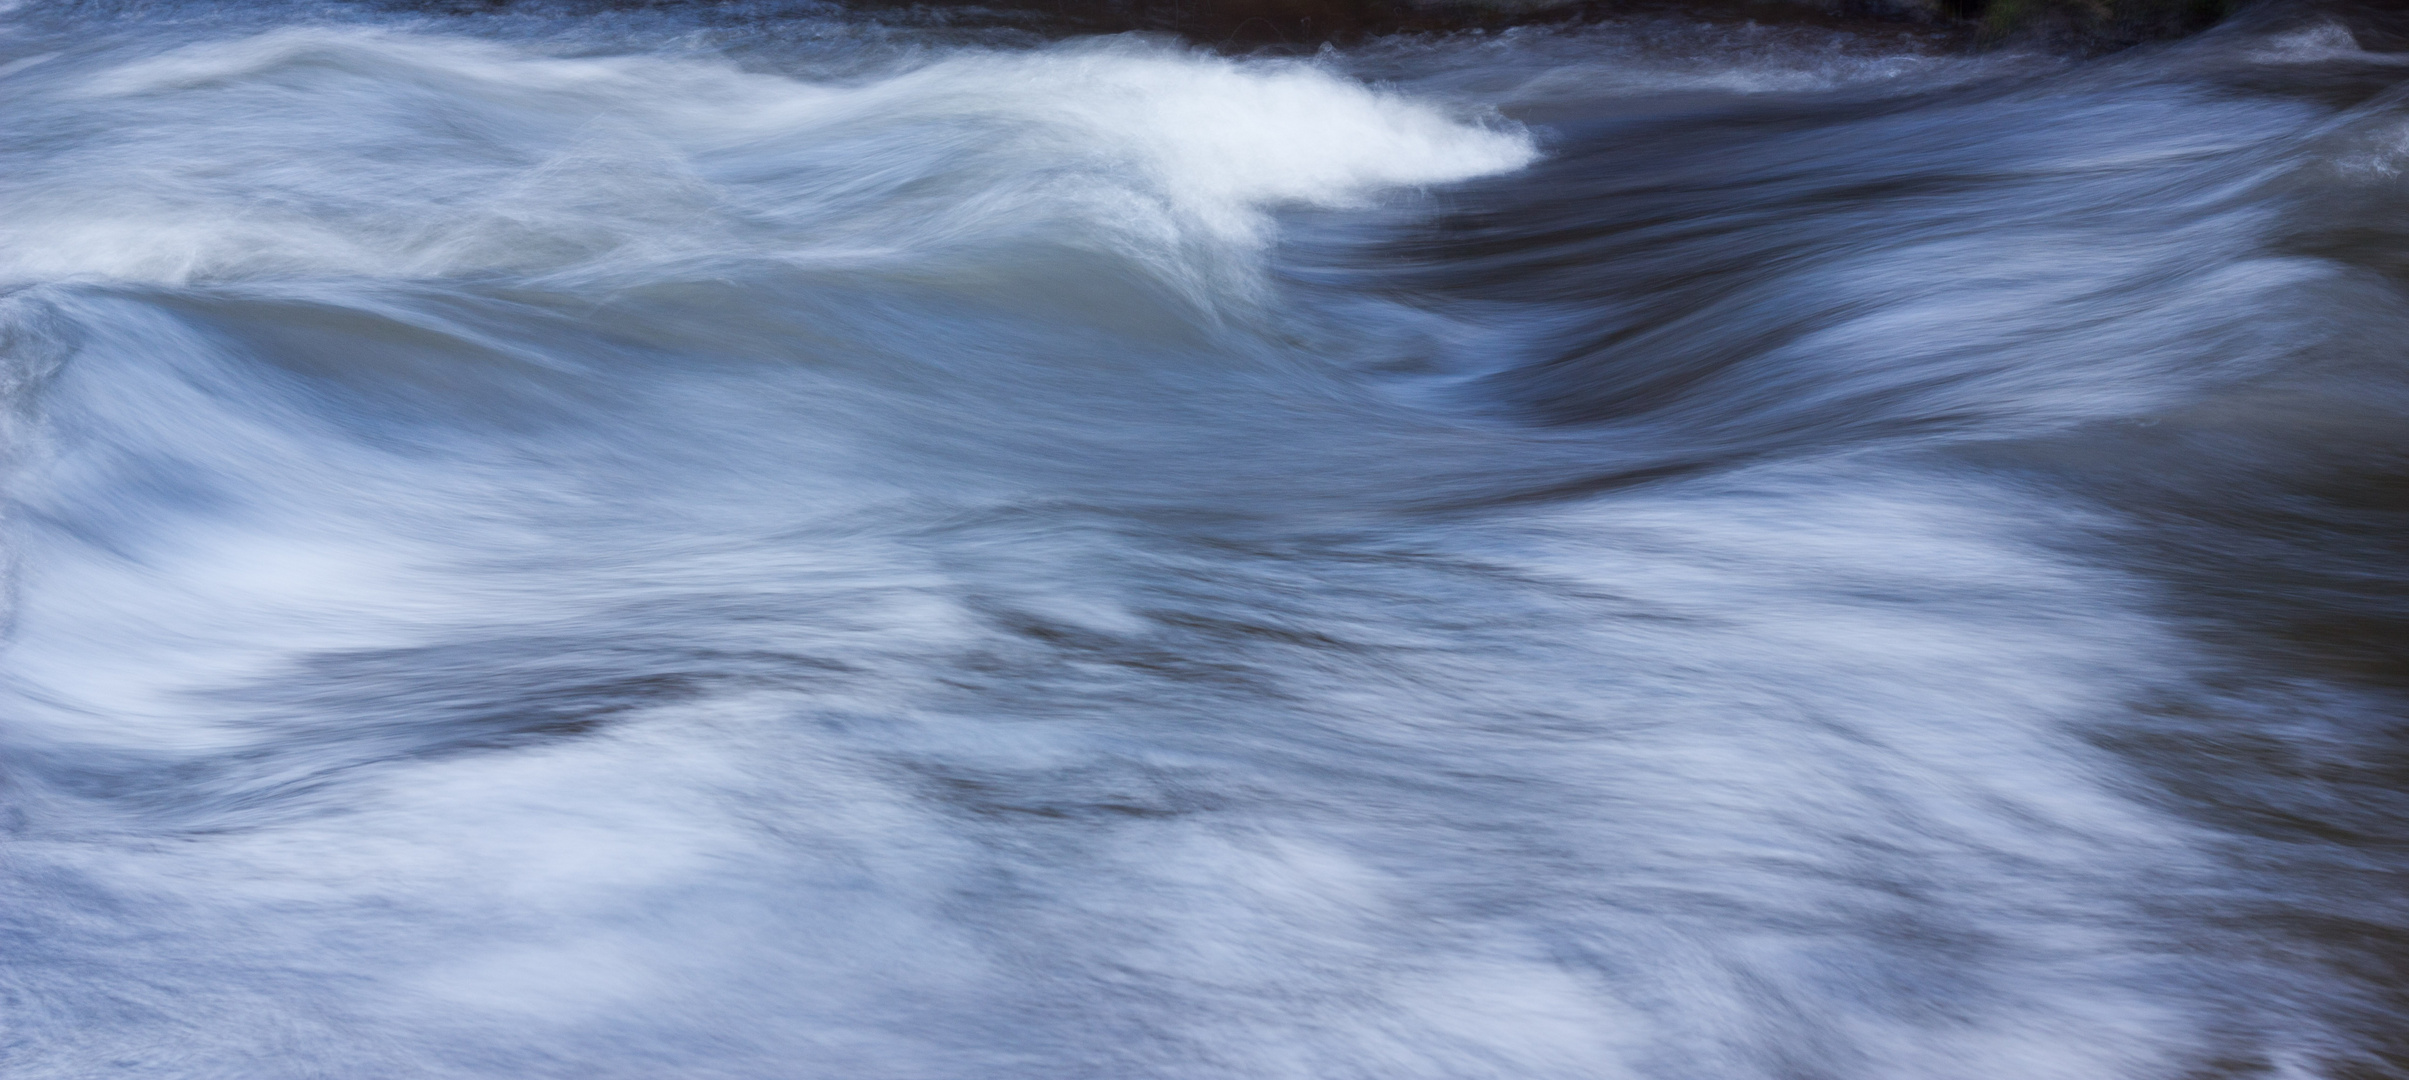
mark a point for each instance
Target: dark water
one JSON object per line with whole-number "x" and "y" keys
{"x": 759, "y": 543}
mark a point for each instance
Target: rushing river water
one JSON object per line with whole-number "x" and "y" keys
{"x": 739, "y": 542}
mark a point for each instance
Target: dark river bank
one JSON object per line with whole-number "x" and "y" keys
{"x": 770, "y": 542}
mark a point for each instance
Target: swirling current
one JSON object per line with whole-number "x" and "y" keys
{"x": 773, "y": 541}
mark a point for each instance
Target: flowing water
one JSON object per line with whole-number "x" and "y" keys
{"x": 764, "y": 542}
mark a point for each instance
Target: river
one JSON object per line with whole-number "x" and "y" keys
{"x": 756, "y": 541}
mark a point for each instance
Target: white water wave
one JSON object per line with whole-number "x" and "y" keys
{"x": 382, "y": 154}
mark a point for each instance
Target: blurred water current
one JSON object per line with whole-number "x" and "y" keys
{"x": 770, "y": 542}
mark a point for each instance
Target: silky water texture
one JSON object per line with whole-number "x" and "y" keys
{"x": 747, "y": 542}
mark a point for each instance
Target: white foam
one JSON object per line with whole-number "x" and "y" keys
{"x": 392, "y": 155}
{"x": 2317, "y": 43}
